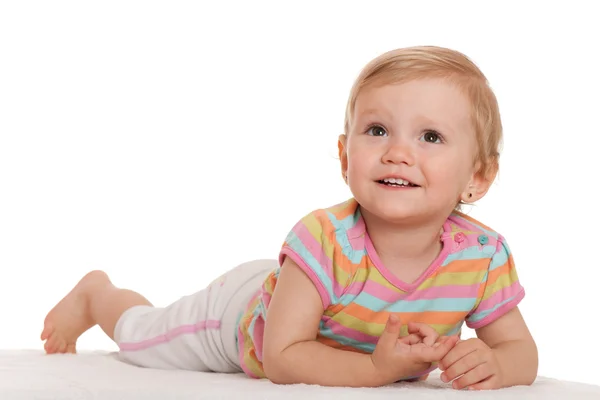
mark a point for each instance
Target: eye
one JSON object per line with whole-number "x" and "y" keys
{"x": 432, "y": 137}
{"x": 376, "y": 130}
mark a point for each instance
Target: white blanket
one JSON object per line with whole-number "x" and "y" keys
{"x": 30, "y": 374}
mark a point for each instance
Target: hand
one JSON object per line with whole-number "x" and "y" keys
{"x": 397, "y": 358}
{"x": 476, "y": 362}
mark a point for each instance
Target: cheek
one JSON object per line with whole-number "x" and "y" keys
{"x": 449, "y": 170}
{"x": 357, "y": 160}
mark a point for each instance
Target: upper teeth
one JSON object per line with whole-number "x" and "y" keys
{"x": 397, "y": 181}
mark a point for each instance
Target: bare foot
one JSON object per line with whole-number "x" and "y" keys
{"x": 71, "y": 317}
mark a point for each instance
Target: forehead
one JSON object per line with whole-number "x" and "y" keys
{"x": 435, "y": 100}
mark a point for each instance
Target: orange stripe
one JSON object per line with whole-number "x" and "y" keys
{"x": 499, "y": 271}
{"x": 332, "y": 343}
{"x": 334, "y": 309}
{"x": 465, "y": 266}
{"x": 344, "y": 209}
{"x": 270, "y": 282}
{"x": 343, "y": 263}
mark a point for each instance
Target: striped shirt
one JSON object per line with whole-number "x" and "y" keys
{"x": 473, "y": 280}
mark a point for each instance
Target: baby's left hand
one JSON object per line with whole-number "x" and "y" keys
{"x": 476, "y": 362}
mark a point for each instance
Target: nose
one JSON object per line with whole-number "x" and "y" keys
{"x": 399, "y": 152}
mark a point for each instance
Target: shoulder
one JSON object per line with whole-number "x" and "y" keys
{"x": 327, "y": 221}
{"x": 318, "y": 243}
{"x": 469, "y": 234}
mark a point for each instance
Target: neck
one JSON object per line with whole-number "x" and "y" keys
{"x": 404, "y": 241}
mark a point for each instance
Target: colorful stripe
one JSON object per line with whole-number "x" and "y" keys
{"x": 472, "y": 282}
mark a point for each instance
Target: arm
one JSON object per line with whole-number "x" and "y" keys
{"x": 504, "y": 353}
{"x": 292, "y": 355}
{"x": 514, "y": 347}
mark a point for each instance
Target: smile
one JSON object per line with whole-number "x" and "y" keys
{"x": 399, "y": 182}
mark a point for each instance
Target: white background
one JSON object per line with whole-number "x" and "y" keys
{"x": 166, "y": 142}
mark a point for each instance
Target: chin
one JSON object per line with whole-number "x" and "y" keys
{"x": 398, "y": 214}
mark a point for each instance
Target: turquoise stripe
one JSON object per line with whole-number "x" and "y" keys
{"x": 470, "y": 253}
{"x": 482, "y": 314}
{"x": 296, "y": 244}
{"x": 455, "y": 330}
{"x": 347, "y": 223}
{"x": 251, "y": 326}
{"x": 441, "y": 304}
{"x": 341, "y": 235}
{"x": 345, "y": 341}
{"x": 500, "y": 258}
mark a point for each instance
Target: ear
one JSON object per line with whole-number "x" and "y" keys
{"x": 343, "y": 155}
{"x": 479, "y": 184}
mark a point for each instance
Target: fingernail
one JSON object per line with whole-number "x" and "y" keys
{"x": 443, "y": 378}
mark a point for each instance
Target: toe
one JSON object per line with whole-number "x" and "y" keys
{"x": 48, "y": 347}
{"x": 51, "y": 345}
{"x": 71, "y": 348}
{"x": 61, "y": 347}
{"x": 47, "y": 331}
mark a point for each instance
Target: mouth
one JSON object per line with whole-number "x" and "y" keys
{"x": 396, "y": 182}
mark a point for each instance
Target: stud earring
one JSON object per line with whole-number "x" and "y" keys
{"x": 470, "y": 195}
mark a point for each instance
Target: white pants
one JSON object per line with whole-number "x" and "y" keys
{"x": 197, "y": 332}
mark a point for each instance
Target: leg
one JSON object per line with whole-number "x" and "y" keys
{"x": 93, "y": 301}
{"x": 196, "y": 332}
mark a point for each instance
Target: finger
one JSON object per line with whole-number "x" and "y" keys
{"x": 432, "y": 354}
{"x": 490, "y": 383}
{"x": 476, "y": 375}
{"x": 441, "y": 340}
{"x": 411, "y": 339}
{"x": 462, "y": 366}
{"x": 429, "y": 334}
{"x": 459, "y": 351}
{"x": 389, "y": 336}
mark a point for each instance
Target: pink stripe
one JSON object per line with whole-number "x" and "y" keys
{"x": 435, "y": 292}
{"x": 499, "y": 296}
{"x": 170, "y": 335}
{"x": 356, "y": 235}
{"x": 350, "y": 333}
{"x": 315, "y": 247}
{"x": 500, "y": 311}
{"x": 257, "y": 336}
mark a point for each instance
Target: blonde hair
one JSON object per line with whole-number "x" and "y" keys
{"x": 405, "y": 64}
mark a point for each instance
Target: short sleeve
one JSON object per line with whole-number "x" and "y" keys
{"x": 309, "y": 246}
{"x": 502, "y": 289}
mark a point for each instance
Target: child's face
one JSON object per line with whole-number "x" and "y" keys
{"x": 420, "y": 131}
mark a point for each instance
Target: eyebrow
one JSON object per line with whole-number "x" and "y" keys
{"x": 428, "y": 121}
{"x": 420, "y": 119}
{"x": 373, "y": 111}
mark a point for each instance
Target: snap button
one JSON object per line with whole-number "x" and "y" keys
{"x": 459, "y": 237}
{"x": 482, "y": 239}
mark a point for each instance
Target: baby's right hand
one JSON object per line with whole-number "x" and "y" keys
{"x": 397, "y": 358}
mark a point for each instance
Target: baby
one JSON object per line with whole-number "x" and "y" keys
{"x": 367, "y": 292}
